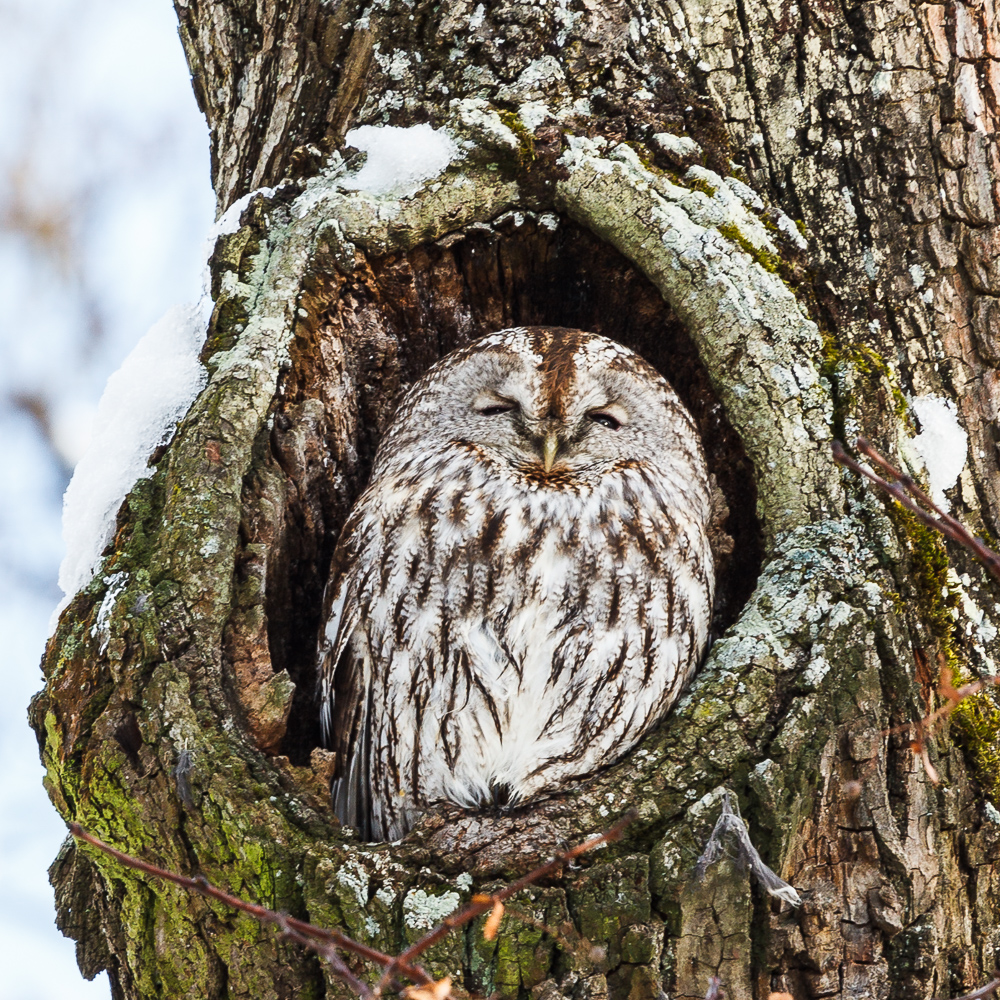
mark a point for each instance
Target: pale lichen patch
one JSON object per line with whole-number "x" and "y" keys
{"x": 422, "y": 910}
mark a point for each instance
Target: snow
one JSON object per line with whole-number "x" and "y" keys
{"x": 229, "y": 222}
{"x": 941, "y": 443}
{"x": 225, "y": 225}
{"x": 120, "y": 175}
{"x": 141, "y": 405}
{"x": 399, "y": 160}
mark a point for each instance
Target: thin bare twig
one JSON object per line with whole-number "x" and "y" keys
{"x": 480, "y": 904}
{"x": 953, "y": 695}
{"x": 910, "y": 495}
{"x": 984, "y": 991}
{"x": 324, "y": 950}
{"x": 924, "y": 728}
{"x": 903, "y": 489}
{"x": 319, "y": 939}
{"x": 326, "y": 942}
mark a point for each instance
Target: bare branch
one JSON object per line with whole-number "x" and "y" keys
{"x": 326, "y": 942}
{"x": 318, "y": 939}
{"x": 480, "y": 904}
{"x": 910, "y": 495}
{"x": 924, "y": 728}
{"x": 943, "y": 523}
{"x": 984, "y": 991}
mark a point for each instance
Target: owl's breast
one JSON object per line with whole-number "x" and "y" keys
{"x": 535, "y": 594}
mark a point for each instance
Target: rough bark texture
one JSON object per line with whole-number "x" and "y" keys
{"x": 872, "y": 127}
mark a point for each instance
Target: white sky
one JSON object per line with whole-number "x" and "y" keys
{"x": 104, "y": 203}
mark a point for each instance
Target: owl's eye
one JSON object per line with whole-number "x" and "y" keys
{"x": 500, "y": 406}
{"x": 605, "y": 419}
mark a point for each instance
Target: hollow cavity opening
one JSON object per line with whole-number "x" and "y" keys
{"x": 379, "y": 328}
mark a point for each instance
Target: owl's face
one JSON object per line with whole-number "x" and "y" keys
{"x": 550, "y": 403}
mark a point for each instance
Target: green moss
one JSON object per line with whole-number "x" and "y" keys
{"x": 771, "y": 262}
{"x": 976, "y": 720}
{"x": 526, "y": 141}
{"x": 929, "y": 571}
{"x": 521, "y": 958}
{"x": 700, "y": 184}
{"x": 608, "y": 899}
{"x": 867, "y": 361}
{"x": 898, "y": 604}
{"x": 833, "y": 355}
{"x": 868, "y": 364}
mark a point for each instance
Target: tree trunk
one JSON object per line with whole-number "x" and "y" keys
{"x": 790, "y": 209}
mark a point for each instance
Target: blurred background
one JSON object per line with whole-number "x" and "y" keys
{"x": 105, "y": 201}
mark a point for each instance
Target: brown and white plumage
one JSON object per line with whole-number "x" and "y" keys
{"x": 525, "y": 586}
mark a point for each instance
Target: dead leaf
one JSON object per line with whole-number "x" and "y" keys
{"x": 492, "y": 924}
{"x": 932, "y": 774}
{"x": 432, "y": 991}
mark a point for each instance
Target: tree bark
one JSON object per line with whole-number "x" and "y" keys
{"x": 790, "y": 209}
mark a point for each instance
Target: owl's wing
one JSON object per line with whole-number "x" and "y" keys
{"x": 331, "y": 648}
{"x": 345, "y": 690}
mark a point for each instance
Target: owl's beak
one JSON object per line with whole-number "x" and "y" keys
{"x": 549, "y": 448}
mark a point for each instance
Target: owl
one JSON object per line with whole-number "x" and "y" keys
{"x": 525, "y": 586}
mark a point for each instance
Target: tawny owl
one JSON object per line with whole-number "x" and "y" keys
{"x": 525, "y": 586}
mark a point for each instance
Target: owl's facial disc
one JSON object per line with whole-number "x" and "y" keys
{"x": 562, "y": 437}
{"x": 552, "y": 440}
{"x": 555, "y": 417}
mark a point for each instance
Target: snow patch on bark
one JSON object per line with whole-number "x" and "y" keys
{"x": 229, "y": 222}
{"x": 942, "y": 444}
{"x": 400, "y": 160}
{"x": 141, "y": 405}
{"x": 101, "y": 628}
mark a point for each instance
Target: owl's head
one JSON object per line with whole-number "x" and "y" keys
{"x": 553, "y": 404}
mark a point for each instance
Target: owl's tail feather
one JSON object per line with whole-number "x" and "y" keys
{"x": 352, "y": 791}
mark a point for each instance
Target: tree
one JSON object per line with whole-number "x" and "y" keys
{"x": 791, "y": 211}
